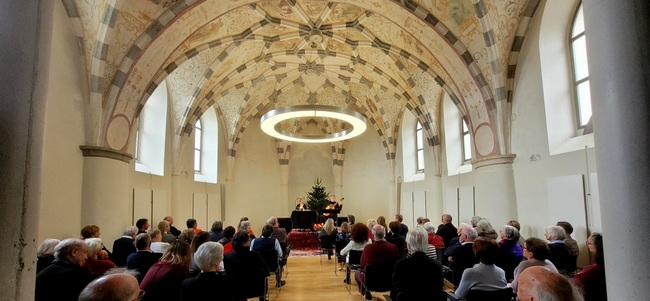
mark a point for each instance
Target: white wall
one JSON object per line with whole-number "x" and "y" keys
{"x": 60, "y": 208}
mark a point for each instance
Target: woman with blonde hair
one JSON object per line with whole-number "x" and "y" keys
{"x": 327, "y": 236}
{"x": 165, "y": 228}
{"x": 163, "y": 280}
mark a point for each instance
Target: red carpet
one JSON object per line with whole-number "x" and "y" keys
{"x": 303, "y": 241}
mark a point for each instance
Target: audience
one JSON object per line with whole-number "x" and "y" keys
{"x": 485, "y": 275}
{"x": 419, "y": 277}
{"x": 516, "y": 224}
{"x": 278, "y": 233}
{"x": 405, "y": 228}
{"x": 572, "y": 246}
{"x": 193, "y": 224}
{"x": 113, "y": 287}
{"x": 539, "y": 284}
{"x": 245, "y": 226}
{"x": 97, "y": 265}
{"x": 559, "y": 252}
{"x": 45, "y": 253}
{"x": 351, "y": 220}
{"x": 454, "y": 242}
{"x": 187, "y": 235}
{"x": 142, "y": 260}
{"x": 447, "y": 230}
{"x": 327, "y": 236}
{"x": 216, "y": 231}
{"x": 378, "y": 252}
{"x": 157, "y": 245}
{"x": 64, "y": 279}
{"x": 267, "y": 245}
{"x": 142, "y": 225}
{"x": 511, "y": 252}
{"x": 536, "y": 252}
{"x": 463, "y": 257}
{"x": 208, "y": 257}
{"x": 371, "y": 223}
{"x": 225, "y": 241}
{"x": 199, "y": 239}
{"x": 591, "y": 280}
{"x": 247, "y": 268}
{"x": 124, "y": 246}
{"x": 381, "y": 220}
{"x": 359, "y": 241}
{"x": 434, "y": 239}
{"x": 163, "y": 280}
{"x": 172, "y": 229}
{"x": 164, "y": 227}
{"x": 92, "y": 231}
{"x": 484, "y": 229}
{"x": 474, "y": 220}
{"x": 395, "y": 238}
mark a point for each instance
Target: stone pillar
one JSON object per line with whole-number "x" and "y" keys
{"x": 618, "y": 45}
{"x": 107, "y": 200}
{"x": 25, "y": 39}
{"x": 495, "y": 195}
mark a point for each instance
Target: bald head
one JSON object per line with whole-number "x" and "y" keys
{"x": 378, "y": 232}
{"x": 120, "y": 287}
{"x": 540, "y": 284}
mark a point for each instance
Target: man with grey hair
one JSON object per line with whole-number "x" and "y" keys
{"x": 559, "y": 255}
{"x": 463, "y": 257}
{"x": 378, "y": 252}
{"x": 278, "y": 233}
{"x": 418, "y": 275}
{"x": 540, "y": 284}
{"x": 447, "y": 230}
{"x": 208, "y": 257}
{"x": 64, "y": 279}
{"x": 116, "y": 287}
{"x": 124, "y": 246}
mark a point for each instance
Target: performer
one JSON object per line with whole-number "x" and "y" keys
{"x": 333, "y": 205}
{"x": 302, "y": 205}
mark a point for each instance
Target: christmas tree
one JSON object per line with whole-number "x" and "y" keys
{"x": 317, "y": 198}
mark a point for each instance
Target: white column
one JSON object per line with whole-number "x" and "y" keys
{"x": 107, "y": 200}
{"x": 495, "y": 196}
{"x": 618, "y": 46}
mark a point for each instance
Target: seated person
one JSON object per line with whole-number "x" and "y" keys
{"x": 247, "y": 268}
{"x": 64, "y": 279}
{"x": 538, "y": 283}
{"x": 511, "y": 252}
{"x": 359, "y": 240}
{"x": 435, "y": 240}
{"x": 463, "y": 256}
{"x": 395, "y": 238}
{"x": 266, "y": 244}
{"x": 124, "y": 246}
{"x": 333, "y": 205}
{"x": 226, "y": 240}
{"x": 327, "y": 236}
{"x": 114, "y": 286}
{"x": 485, "y": 275}
{"x": 208, "y": 257}
{"x": 591, "y": 280}
{"x": 559, "y": 252}
{"x": 419, "y": 276}
{"x": 571, "y": 245}
{"x": 144, "y": 258}
{"x": 97, "y": 265}
{"x": 536, "y": 252}
{"x": 379, "y": 252}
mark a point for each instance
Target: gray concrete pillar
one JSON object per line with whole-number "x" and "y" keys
{"x": 618, "y": 47}
{"x": 24, "y": 54}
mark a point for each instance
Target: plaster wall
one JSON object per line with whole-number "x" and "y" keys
{"x": 60, "y": 208}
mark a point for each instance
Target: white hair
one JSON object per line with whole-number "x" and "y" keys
{"x": 430, "y": 227}
{"x": 418, "y": 239}
{"x": 94, "y": 245}
{"x": 556, "y": 233}
{"x": 208, "y": 255}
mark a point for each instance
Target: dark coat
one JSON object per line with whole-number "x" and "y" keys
{"x": 418, "y": 276}
{"x": 142, "y": 261}
{"x": 210, "y": 282}
{"x": 248, "y": 270}
{"x": 61, "y": 280}
{"x": 462, "y": 258}
{"x": 122, "y": 248}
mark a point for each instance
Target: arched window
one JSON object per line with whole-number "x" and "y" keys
{"x": 205, "y": 147}
{"x": 151, "y": 132}
{"x": 419, "y": 147}
{"x": 465, "y": 142}
{"x": 198, "y": 144}
{"x": 580, "y": 69}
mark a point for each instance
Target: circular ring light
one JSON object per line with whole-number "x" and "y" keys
{"x": 270, "y": 122}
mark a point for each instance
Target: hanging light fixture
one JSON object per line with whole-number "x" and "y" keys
{"x": 270, "y": 123}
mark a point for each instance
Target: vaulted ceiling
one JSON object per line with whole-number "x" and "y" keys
{"x": 380, "y": 58}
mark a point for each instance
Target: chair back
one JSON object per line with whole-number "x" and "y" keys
{"x": 504, "y": 294}
{"x": 355, "y": 257}
{"x": 378, "y": 277}
{"x": 327, "y": 241}
{"x": 339, "y": 245}
{"x": 271, "y": 259}
{"x": 440, "y": 254}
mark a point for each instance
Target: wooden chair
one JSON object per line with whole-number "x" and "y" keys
{"x": 353, "y": 264}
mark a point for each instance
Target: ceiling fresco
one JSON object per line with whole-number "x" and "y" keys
{"x": 380, "y": 58}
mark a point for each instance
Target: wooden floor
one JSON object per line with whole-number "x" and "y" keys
{"x": 309, "y": 280}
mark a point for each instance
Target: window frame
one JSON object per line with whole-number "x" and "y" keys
{"x": 419, "y": 149}
{"x": 464, "y": 132}
{"x": 575, "y": 81}
{"x": 198, "y": 152}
